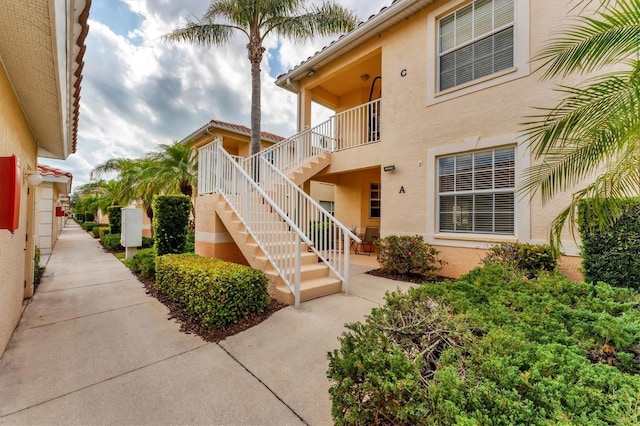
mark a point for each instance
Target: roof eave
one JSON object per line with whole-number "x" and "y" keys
{"x": 385, "y": 19}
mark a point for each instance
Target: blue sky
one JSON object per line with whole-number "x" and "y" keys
{"x": 139, "y": 91}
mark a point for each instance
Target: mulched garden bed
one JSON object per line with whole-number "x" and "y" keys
{"x": 188, "y": 326}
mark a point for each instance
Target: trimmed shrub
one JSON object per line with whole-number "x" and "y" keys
{"x": 97, "y": 228}
{"x": 143, "y": 263}
{"x": 88, "y": 226}
{"x": 190, "y": 244}
{"x": 79, "y": 217}
{"x": 147, "y": 242}
{"x": 170, "y": 222}
{"x": 493, "y": 347}
{"x": 214, "y": 293}
{"x": 111, "y": 242}
{"x": 89, "y": 217}
{"x": 610, "y": 255}
{"x": 531, "y": 258}
{"x": 404, "y": 255}
{"x": 115, "y": 215}
{"x": 102, "y": 231}
{"x": 37, "y": 270}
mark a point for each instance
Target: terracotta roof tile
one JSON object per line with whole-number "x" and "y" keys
{"x": 45, "y": 170}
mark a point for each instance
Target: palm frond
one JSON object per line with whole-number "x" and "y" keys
{"x": 327, "y": 19}
{"x": 594, "y": 43}
{"x": 589, "y": 126}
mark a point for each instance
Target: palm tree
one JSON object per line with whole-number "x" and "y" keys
{"x": 175, "y": 166}
{"x": 135, "y": 178}
{"x": 595, "y": 128}
{"x": 257, "y": 19}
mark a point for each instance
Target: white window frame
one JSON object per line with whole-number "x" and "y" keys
{"x": 460, "y": 217}
{"x": 520, "y": 51}
{"x": 522, "y": 209}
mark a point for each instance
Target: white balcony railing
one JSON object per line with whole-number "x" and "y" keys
{"x": 348, "y": 129}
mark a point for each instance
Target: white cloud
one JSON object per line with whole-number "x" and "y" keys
{"x": 140, "y": 91}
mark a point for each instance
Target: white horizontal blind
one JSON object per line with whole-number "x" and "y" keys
{"x": 476, "y": 192}
{"x": 475, "y": 41}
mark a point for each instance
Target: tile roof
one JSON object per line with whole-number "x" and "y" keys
{"x": 80, "y": 42}
{"x": 236, "y": 128}
{"x": 45, "y": 170}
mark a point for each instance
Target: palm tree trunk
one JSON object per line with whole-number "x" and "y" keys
{"x": 256, "y": 110}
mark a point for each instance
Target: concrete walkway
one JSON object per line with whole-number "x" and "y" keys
{"x": 93, "y": 348}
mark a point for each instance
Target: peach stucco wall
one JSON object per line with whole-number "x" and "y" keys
{"x": 15, "y": 139}
{"x": 212, "y": 238}
{"x": 418, "y": 127}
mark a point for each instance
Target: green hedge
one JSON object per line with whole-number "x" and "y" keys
{"x": 147, "y": 242}
{"x": 408, "y": 255}
{"x": 493, "y": 347}
{"x": 611, "y": 255}
{"x": 79, "y": 217}
{"x": 143, "y": 263}
{"x": 213, "y": 292}
{"x": 111, "y": 242}
{"x": 115, "y": 215}
{"x": 88, "y": 226}
{"x": 102, "y": 231}
{"x": 99, "y": 229}
{"x": 38, "y": 271}
{"x": 170, "y": 222}
{"x": 89, "y": 217}
{"x": 531, "y": 258}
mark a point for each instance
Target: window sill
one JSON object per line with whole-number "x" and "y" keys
{"x": 485, "y": 238}
{"x": 478, "y": 81}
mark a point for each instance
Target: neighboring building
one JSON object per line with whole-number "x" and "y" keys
{"x": 236, "y": 140}
{"x": 52, "y": 207}
{"x": 429, "y": 97}
{"x": 41, "y": 51}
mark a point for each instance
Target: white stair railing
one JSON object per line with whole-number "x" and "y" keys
{"x": 354, "y": 127}
{"x": 275, "y": 233}
{"x": 331, "y": 240}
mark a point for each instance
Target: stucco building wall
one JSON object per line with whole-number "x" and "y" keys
{"x": 15, "y": 139}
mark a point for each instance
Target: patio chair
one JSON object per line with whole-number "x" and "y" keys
{"x": 371, "y": 236}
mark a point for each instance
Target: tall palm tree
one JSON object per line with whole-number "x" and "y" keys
{"x": 257, "y": 19}
{"x": 595, "y": 128}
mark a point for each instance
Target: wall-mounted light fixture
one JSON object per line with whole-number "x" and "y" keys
{"x": 33, "y": 177}
{"x": 311, "y": 72}
{"x": 389, "y": 168}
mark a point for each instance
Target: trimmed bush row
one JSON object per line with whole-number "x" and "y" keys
{"x": 214, "y": 293}
{"x": 493, "y": 347}
{"x": 611, "y": 255}
{"x": 143, "y": 263}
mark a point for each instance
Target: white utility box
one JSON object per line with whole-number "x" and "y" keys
{"x": 131, "y": 230}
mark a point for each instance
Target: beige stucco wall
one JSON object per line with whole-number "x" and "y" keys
{"x": 417, "y": 128}
{"x": 212, "y": 238}
{"x": 15, "y": 139}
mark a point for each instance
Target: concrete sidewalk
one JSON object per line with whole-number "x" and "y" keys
{"x": 93, "y": 348}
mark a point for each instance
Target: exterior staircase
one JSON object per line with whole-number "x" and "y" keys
{"x": 279, "y": 228}
{"x": 315, "y": 278}
{"x": 311, "y": 168}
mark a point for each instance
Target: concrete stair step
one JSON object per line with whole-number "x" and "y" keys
{"x": 312, "y": 289}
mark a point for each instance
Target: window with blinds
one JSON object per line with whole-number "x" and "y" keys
{"x": 476, "y": 192}
{"x": 475, "y": 41}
